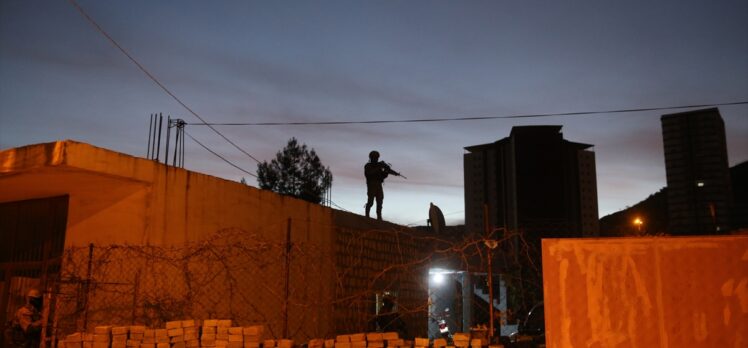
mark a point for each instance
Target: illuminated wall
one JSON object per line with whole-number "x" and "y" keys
{"x": 128, "y": 207}
{"x": 646, "y": 292}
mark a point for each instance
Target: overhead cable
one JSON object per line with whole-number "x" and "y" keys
{"x": 219, "y": 156}
{"x": 473, "y": 118}
{"x": 154, "y": 79}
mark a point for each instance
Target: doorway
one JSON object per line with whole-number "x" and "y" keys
{"x": 33, "y": 238}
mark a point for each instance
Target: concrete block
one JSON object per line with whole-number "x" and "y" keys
{"x": 120, "y": 330}
{"x": 137, "y": 329}
{"x": 389, "y": 336}
{"x": 422, "y": 342}
{"x": 358, "y": 337}
{"x": 173, "y": 324}
{"x": 175, "y": 332}
{"x": 646, "y": 292}
{"x": 103, "y": 330}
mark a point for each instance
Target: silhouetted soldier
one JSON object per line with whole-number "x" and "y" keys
{"x": 24, "y": 330}
{"x": 375, "y": 173}
{"x": 388, "y": 319}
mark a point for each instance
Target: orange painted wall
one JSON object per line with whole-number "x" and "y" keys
{"x": 124, "y": 200}
{"x": 117, "y": 198}
{"x": 646, "y": 292}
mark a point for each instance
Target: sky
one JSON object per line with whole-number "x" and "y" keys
{"x": 312, "y": 61}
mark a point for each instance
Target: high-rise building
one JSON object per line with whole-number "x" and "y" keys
{"x": 698, "y": 175}
{"x": 534, "y": 182}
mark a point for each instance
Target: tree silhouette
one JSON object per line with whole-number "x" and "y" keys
{"x": 296, "y": 171}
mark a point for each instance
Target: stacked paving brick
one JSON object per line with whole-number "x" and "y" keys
{"x": 316, "y": 343}
{"x": 461, "y": 340}
{"x": 136, "y": 336}
{"x": 343, "y": 341}
{"x": 253, "y": 335}
{"x": 421, "y": 343}
{"x": 102, "y": 337}
{"x": 216, "y": 333}
{"x": 375, "y": 340}
{"x": 120, "y": 334}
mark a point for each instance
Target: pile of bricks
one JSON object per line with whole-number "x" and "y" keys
{"x": 214, "y": 333}
{"x": 177, "y": 334}
{"x": 362, "y": 340}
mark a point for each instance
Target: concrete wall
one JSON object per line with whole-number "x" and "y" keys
{"x": 646, "y": 292}
{"x": 116, "y": 199}
{"x": 154, "y": 228}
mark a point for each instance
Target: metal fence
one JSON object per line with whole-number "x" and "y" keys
{"x": 297, "y": 290}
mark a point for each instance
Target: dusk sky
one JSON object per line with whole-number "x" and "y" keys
{"x": 312, "y": 61}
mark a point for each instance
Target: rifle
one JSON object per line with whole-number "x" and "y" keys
{"x": 393, "y": 172}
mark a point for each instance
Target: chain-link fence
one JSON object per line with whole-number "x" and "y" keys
{"x": 298, "y": 290}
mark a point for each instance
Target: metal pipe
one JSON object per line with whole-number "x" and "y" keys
{"x": 150, "y": 129}
{"x": 183, "y": 144}
{"x": 160, "y": 125}
{"x": 168, "y": 139}
{"x": 176, "y": 148}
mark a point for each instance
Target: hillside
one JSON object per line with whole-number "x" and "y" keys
{"x": 653, "y": 210}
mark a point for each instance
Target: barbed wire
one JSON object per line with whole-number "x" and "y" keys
{"x": 239, "y": 275}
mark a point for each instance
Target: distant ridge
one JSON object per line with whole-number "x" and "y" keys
{"x": 653, "y": 210}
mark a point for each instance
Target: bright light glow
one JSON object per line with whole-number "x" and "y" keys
{"x": 438, "y": 278}
{"x": 700, "y": 184}
{"x": 638, "y": 221}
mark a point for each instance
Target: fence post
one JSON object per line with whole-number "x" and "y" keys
{"x": 288, "y": 278}
{"x": 87, "y": 287}
{"x": 136, "y": 287}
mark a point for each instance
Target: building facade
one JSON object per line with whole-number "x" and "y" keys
{"x": 698, "y": 175}
{"x": 117, "y": 240}
{"x": 534, "y": 181}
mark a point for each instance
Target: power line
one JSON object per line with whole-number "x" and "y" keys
{"x": 153, "y": 78}
{"x": 219, "y": 156}
{"x": 339, "y": 207}
{"x": 474, "y": 118}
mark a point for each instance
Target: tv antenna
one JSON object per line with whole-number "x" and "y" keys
{"x": 154, "y": 139}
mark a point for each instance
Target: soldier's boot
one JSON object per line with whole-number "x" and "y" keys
{"x": 368, "y": 209}
{"x": 379, "y": 213}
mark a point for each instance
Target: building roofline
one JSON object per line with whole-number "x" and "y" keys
{"x": 691, "y": 112}
{"x": 526, "y": 129}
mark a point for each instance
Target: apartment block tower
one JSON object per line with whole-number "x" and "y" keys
{"x": 698, "y": 175}
{"x": 533, "y": 181}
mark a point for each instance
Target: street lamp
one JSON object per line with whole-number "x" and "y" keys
{"x": 638, "y": 222}
{"x": 490, "y": 244}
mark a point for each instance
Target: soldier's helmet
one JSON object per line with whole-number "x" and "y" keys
{"x": 374, "y": 155}
{"x": 33, "y": 293}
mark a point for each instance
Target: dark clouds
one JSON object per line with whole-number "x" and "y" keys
{"x": 339, "y": 60}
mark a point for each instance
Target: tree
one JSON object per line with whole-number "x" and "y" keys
{"x": 296, "y": 171}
